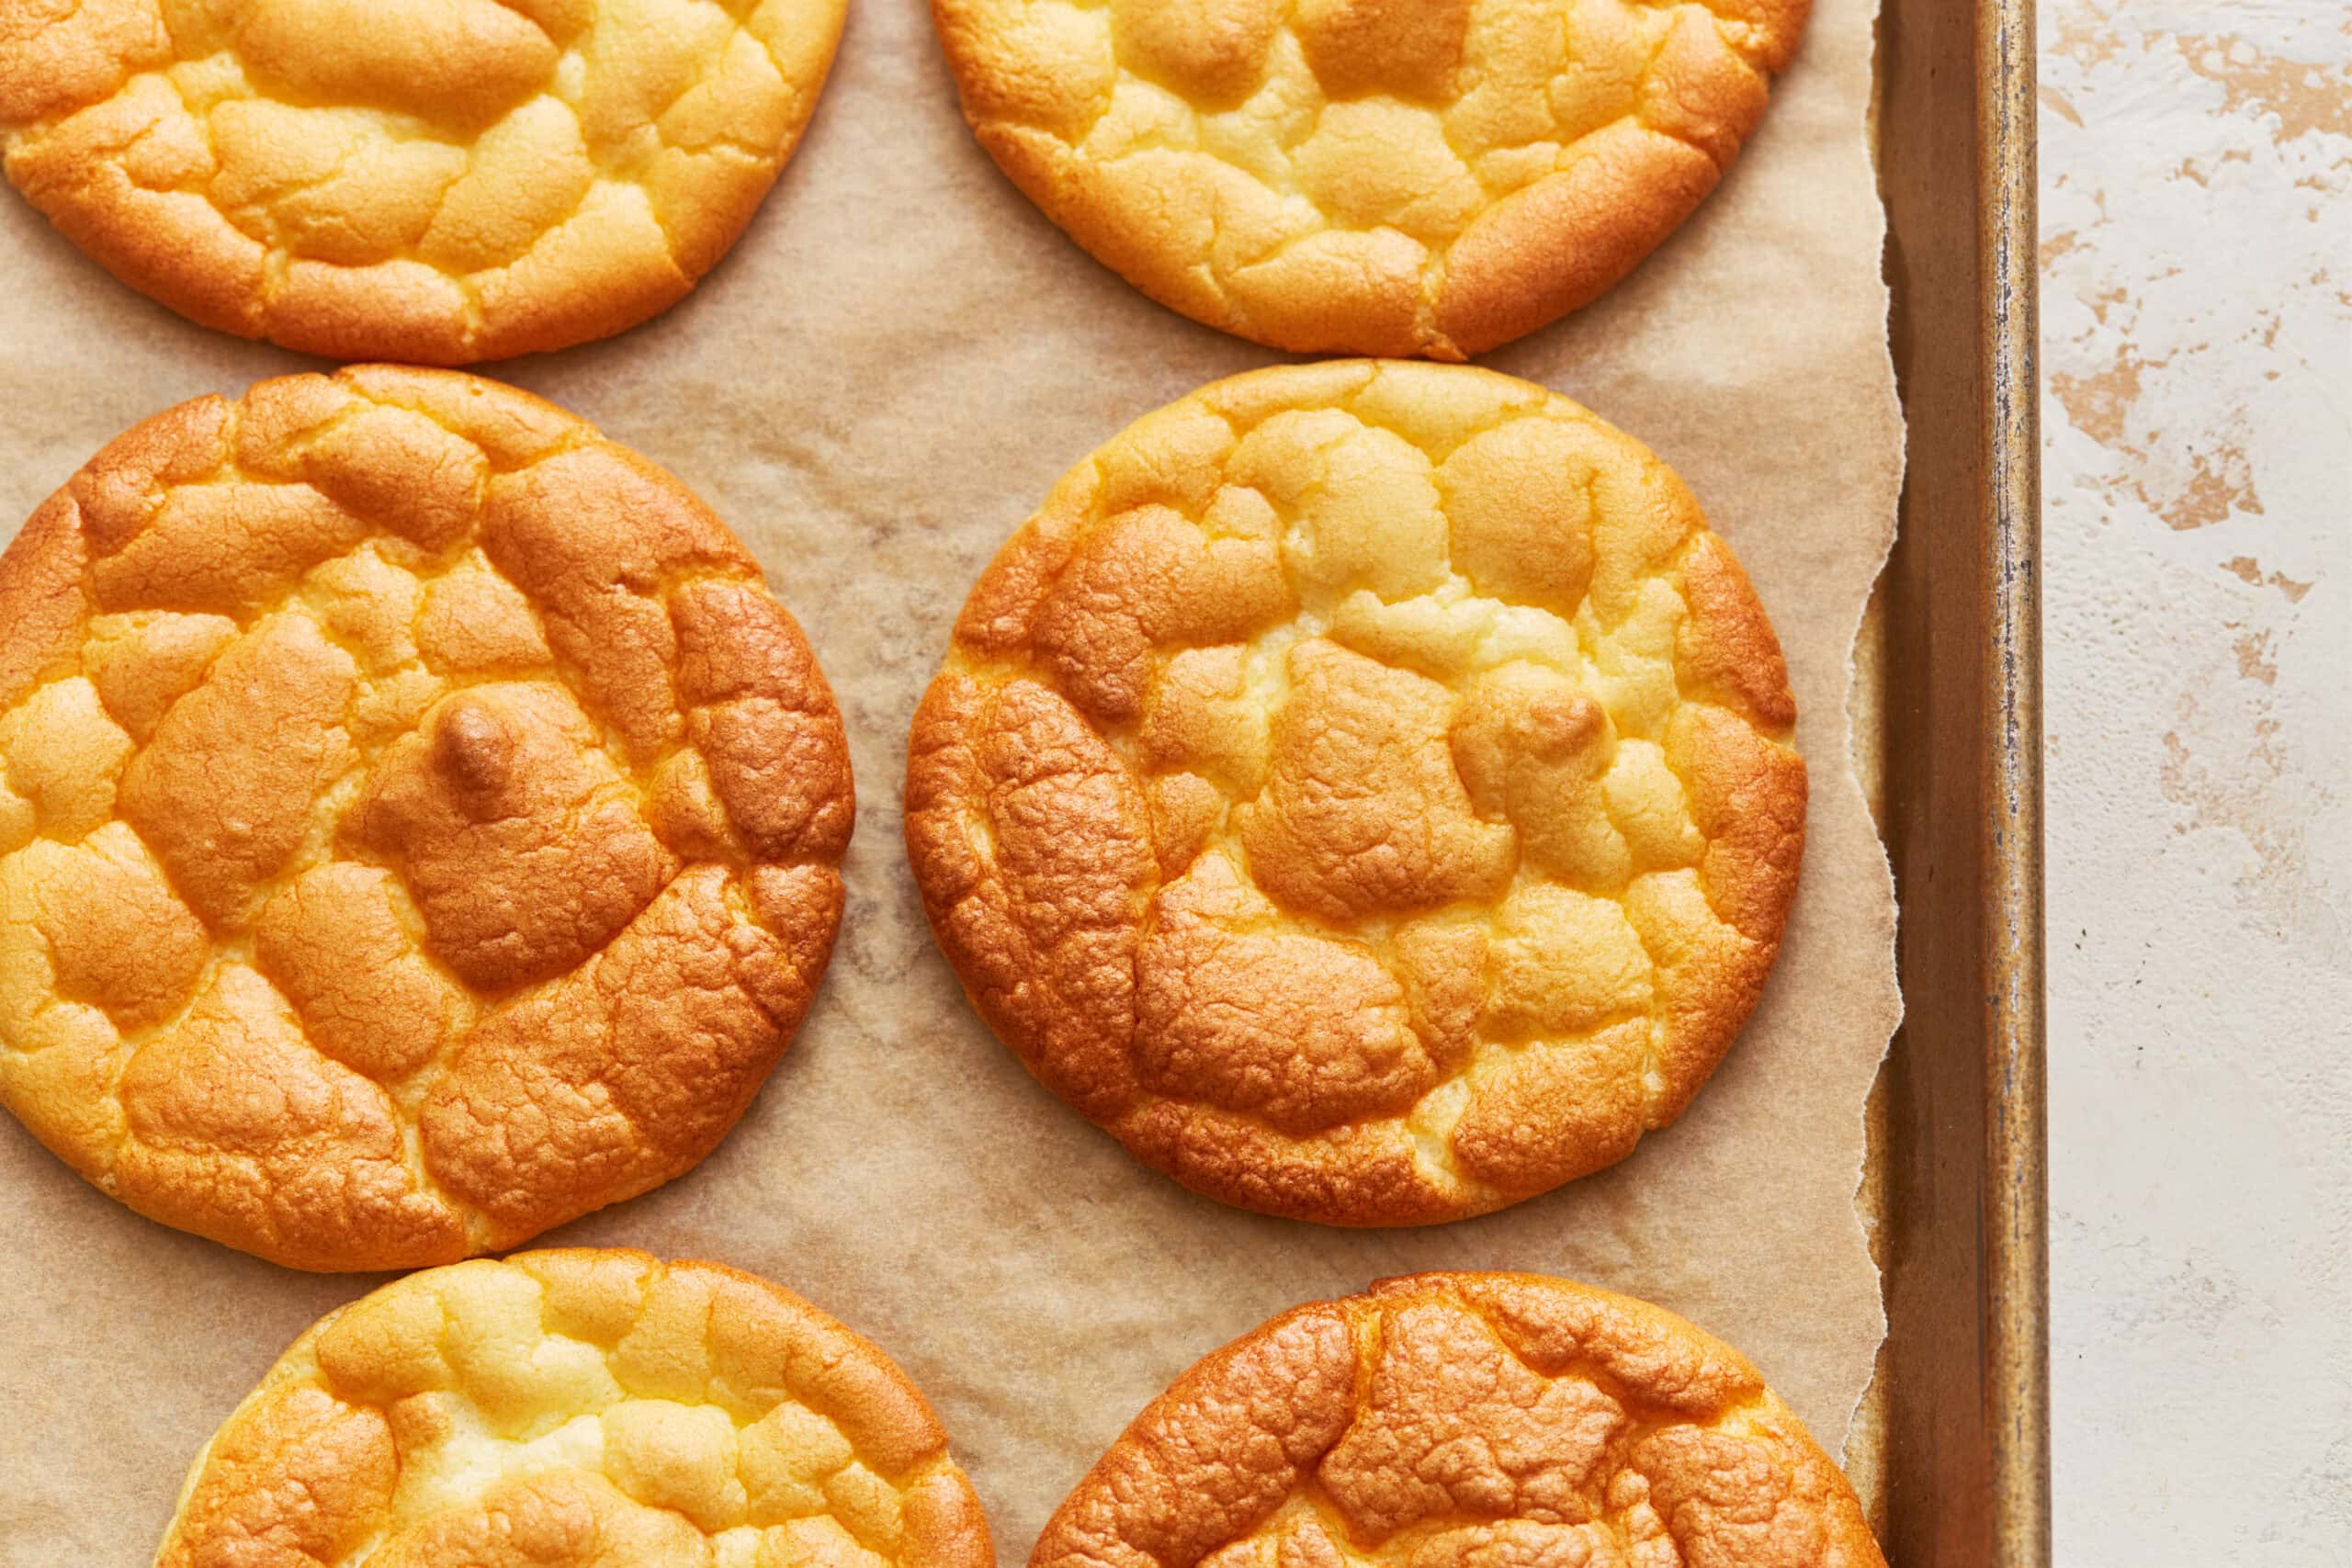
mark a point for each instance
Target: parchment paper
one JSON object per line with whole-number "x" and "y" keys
{"x": 878, "y": 385}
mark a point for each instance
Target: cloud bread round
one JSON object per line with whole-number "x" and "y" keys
{"x": 1466, "y": 1421}
{"x": 580, "y": 1409}
{"x": 1366, "y": 789}
{"x": 439, "y": 181}
{"x": 418, "y": 824}
{"x": 1373, "y": 176}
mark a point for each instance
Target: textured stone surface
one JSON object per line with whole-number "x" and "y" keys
{"x": 2197, "y": 329}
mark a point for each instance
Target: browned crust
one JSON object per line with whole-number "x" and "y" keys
{"x": 528, "y": 183}
{"x": 1536, "y": 176}
{"x": 1369, "y": 927}
{"x": 419, "y": 826}
{"x": 725, "y": 1403}
{"x": 1498, "y": 1419}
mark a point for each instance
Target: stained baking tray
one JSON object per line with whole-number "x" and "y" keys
{"x": 1953, "y": 1444}
{"x": 1956, "y": 1431}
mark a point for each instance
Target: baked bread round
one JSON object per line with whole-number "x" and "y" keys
{"x": 1466, "y": 1421}
{"x": 439, "y": 181}
{"x": 580, "y": 1409}
{"x": 1368, "y": 176}
{"x": 1366, "y": 789}
{"x": 420, "y": 826}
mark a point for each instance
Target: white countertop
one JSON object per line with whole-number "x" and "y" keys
{"x": 2197, "y": 330}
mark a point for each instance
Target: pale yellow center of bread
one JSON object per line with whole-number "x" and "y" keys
{"x": 422, "y": 829}
{"x": 1385, "y": 757}
{"x": 480, "y": 177}
{"x": 582, "y": 1410}
{"x": 1305, "y": 172}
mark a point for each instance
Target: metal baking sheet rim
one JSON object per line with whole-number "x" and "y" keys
{"x": 1952, "y": 1442}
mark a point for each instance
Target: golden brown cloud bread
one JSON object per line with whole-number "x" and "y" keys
{"x": 432, "y": 180}
{"x": 1466, "y": 1421}
{"x": 578, "y": 1409}
{"x": 1366, "y": 789}
{"x": 1370, "y": 176}
{"x": 418, "y": 824}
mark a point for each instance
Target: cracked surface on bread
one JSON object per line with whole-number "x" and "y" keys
{"x": 419, "y": 826}
{"x": 1371, "y": 176}
{"x": 578, "y": 1409}
{"x": 1466, "y": 1421}
{"x": 437, "y": 181}
{"x": 1366, "y": 789}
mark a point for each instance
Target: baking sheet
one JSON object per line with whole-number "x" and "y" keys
{"x": 1962, "y": 1399}
{"x": 875, "y": 389}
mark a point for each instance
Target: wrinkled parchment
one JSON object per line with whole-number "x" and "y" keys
{"x": 875, "y": 388}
